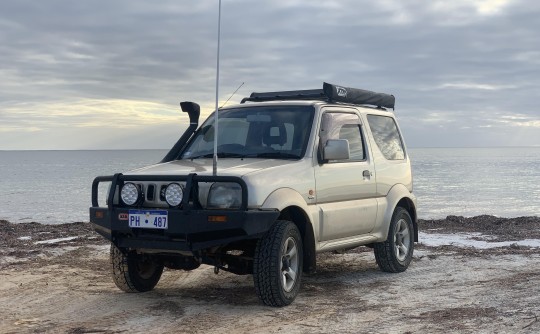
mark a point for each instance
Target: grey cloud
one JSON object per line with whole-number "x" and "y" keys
{"x": 434, "y": 58}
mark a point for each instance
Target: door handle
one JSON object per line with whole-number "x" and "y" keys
{"x": 366, "y": 173}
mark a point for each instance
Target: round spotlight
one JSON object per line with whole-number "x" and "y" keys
{"x": 130, "y": 193}
{"x": 174, "y": 194}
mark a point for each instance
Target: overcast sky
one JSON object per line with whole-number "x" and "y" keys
{"x": 109, "y": 74}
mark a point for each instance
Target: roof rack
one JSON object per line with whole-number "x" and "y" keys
{"x": 330, "y": 93}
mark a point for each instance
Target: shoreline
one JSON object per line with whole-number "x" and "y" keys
{"x": 22, "y": 242}
{"x": 28, "y": 220}
{"x": 503, "y": 228}
{"x": 449, "y": 218}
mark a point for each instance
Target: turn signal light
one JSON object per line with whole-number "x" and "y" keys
{"x": 217, "y": 219}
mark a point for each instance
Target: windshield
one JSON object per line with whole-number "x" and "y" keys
{"x": 257, "y": 132}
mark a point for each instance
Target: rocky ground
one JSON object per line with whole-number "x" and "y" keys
{"x": 55, "y": 279}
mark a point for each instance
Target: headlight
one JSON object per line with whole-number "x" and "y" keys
{"x": 225, "y": 196}
{"x": 130, "y": 193}
{"x": 174, "y": 194}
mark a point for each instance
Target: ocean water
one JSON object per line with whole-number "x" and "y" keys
{"x": 503, "y": 182}
{"x": 54, "y": 187}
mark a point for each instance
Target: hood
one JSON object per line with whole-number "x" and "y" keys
{"x": 226, "y": 167}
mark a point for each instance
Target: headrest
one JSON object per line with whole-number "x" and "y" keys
{"x": 275, "y": 134}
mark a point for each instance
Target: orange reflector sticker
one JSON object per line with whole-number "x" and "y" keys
{"x": 99, "y": 214}
{"x": 217, "y": 219}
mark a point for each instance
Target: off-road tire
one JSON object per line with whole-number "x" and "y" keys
{"x": 273, "y": 262}
{"x": 395, "y": 254}
{"x": 133, "y": 272}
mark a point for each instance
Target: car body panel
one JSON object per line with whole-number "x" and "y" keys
{"x": 345, "y": 207}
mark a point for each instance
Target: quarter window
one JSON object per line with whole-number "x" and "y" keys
{"x": 386, "y": 136}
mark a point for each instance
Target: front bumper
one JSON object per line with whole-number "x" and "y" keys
{"x": 187, "y": 232}
{"x": 190, "y": 228}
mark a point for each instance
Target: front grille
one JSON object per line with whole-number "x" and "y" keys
{"x": 150, "y": 192}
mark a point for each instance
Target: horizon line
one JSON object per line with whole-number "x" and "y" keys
{"x": 155, "y": 149}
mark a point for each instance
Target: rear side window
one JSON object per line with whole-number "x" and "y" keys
{"x": 386, "y": 136}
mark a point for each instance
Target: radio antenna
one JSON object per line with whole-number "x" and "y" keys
{"x": 223, "y": 105}
{"x": 216, "y": 115}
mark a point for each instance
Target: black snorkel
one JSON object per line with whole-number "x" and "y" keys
{"x": 193, "y": 110}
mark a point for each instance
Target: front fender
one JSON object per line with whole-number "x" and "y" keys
{"x": 283, "y": 198}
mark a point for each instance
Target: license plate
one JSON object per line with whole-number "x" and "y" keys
{"x": 148, "y": 219}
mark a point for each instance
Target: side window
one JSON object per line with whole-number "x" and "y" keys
{"x": 386, "y": 136}
{"x": 352, "y": 133}
{"x": 344, "y": 126}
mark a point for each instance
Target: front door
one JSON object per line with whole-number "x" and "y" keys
{"x": 345, "y": 189}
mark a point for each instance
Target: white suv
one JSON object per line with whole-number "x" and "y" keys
{"x": 298, "y": 173}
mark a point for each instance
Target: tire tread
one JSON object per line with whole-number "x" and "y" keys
{"x": 126, "y": 279}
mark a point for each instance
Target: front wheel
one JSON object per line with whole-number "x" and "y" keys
{"x": 277, "y": 265}
{"x": 395, "y": 254}
{"x": 134, "y": 272}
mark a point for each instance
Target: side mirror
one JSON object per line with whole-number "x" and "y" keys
{"x": 336, "y": 149}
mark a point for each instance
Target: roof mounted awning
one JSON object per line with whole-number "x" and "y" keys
{"x": 330, "y": 93}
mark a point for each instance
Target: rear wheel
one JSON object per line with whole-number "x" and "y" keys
{"x": 277, "y": 265}
{"x": 134, "y": 272}
{"x": 395, "y": 254}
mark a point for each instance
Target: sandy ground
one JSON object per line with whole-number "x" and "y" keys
{"x": 55, "y": 279}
